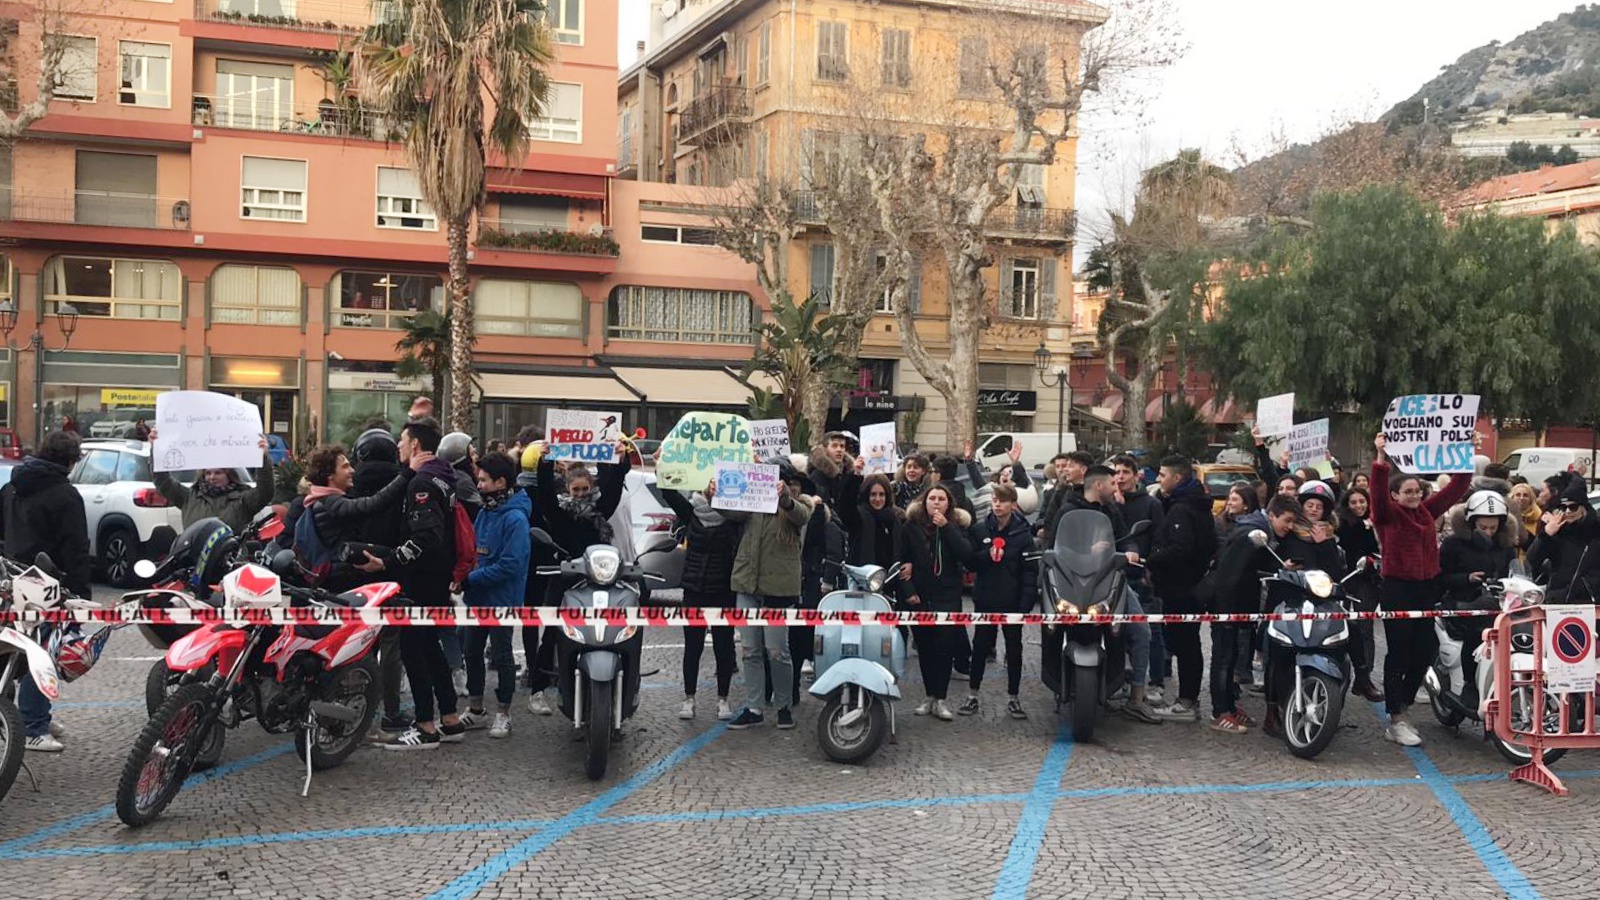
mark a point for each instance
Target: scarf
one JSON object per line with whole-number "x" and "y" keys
{"x": 318, "y": 491}
{"x": 205, "y": 489}
{"x": 492, "y": 499}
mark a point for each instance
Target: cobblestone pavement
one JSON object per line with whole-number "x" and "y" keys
{"x": 981, "y": 807}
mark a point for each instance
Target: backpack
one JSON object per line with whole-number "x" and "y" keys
{"x": 466, "y": 538}
{"x": 316, "y": 556}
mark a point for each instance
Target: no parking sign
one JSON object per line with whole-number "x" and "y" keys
{"x": 1569, "y": 649}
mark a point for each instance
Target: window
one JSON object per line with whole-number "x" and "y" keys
{"x": 680, "y": 314}
{"x": 1003, "y": 377}
{"x": 761, "y": 154}
{"x": 273, "y": 189}
{"x": 741, "y": 59}
{"x": 384, "y": 299}
{"x": 258, "y": 96}
{"x": 79, "y": 73}
{"x": 913, "y": 286}
{"x": 400, "y": 203}
{"x": 255, "y": 295}
{"x": 896, "y": 60}
{"x": 115, "y": 189}
{"x": 833, "y": 51}
{"x": 1027, "y": 288}
{"x": 822, "y": 155}
{"x": 146, "y": 75}
{"x": 764, "y": 54}
{"x": 98, "y": 467}
{"x": 114, "y": 288}
{"x": 565, "y": 18}
{"x": 974, "y": 72}
{"x": 270, "y": 9}
{"x": 822, "y": 258}
{"x": 563, "y": 115}
{"x": 1030, "y": 186}
{"x": 532, "y": 308}
{"x": 678, "y": 234}
{"x": 534, "y": 215}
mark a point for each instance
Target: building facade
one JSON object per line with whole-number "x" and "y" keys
{"x": 210, "y": 197}
{"x": 731, "y": 90}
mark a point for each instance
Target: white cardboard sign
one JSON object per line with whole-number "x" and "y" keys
{"x": 1432, "y": 433}
{"x": 1308, "y": 444}
{"x": 581, "y": 435}
{"x": 769, "y": 438}
{"x": 747, "y": 487}
{"x": 205, "y": 430}
{"x": 878, "y": 449}
{"x": 1275, "y": 415}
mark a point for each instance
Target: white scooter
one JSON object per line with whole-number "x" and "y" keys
{"x": 858, "y": 669}
{"x": 1445, "y": 680}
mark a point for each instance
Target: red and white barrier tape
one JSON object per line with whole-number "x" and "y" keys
{"x": 660, "y": 616}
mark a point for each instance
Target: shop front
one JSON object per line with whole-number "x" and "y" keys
{"x": 667, "y": 394}
{"x": 272, "y": 384}
{"x": 512, "y": 400}
{"x": 359, "y": 392}
{"x": 105, "y": 395}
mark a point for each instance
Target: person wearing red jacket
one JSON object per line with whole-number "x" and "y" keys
{"x": 1407, "y": 533}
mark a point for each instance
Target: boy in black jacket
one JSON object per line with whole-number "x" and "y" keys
{"x": 1005, "y": 583}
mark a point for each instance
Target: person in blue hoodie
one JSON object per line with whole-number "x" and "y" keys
{"x": 498, "y": 578}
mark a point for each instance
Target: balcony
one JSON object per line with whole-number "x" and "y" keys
{"x": 1034, "y": 222}
{"x": 627, "y": 158}
{"x": 297, "y": 15}
{"x": 725, "y": 107}
{"x": 106, "y": 208}
{"x": 496, "y": 234}
{"x": 322, "y": 119}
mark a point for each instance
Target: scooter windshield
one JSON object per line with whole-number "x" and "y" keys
{"x": 1085, "y": 543}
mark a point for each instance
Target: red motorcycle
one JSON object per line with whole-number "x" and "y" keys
{"x": 319, "y": 681}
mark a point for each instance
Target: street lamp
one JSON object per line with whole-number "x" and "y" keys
{"x": 67, "y": 321}
{"x": 1056, "y": 377}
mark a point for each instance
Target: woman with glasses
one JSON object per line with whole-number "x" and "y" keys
{"x": 1568, "y": 546}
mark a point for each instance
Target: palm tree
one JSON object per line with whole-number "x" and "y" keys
{"x": 799, "y": 349}
{"x": 428, "y": 70}
{"x": 425, "y": 349}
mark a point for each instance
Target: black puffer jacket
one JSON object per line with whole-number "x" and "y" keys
{"x": 1572, "y": 554}
{"x": 708, "y": 559}
{"x": 937, "y": 557}
{"x": 1012, "y": 583}
{"x": 1465, "y": 551}
{"x": 1182, "y": 549}
{"x": 576, "y": 528}
{"x": 44, "y": 513}
{"x": 874, "y": 533}
{"x": 371, "y": 478}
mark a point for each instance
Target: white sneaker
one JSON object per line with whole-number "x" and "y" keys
{"x": 686, "y": 711}
{"x": 45, "y": 743}
{"x": 724, "y": 711}
{"x": 1177, "y": 712}
{"x": 459, "y": 678}
{"x": 57, "y": 730}
{"x": 1154, "y": 695}
{"x": 474, "y": 719}
{"x": 923, "y": 708}
{"x": 1403, "y": 734}
{"x": 808, "y": 668}
{"x": 539, "y": 705}
{"x": 501, "y": 727}
{"x": 941, "y": 710}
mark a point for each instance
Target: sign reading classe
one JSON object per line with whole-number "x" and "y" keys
{"x": 700, "y": 440}
{"x": 1432, "y": 433}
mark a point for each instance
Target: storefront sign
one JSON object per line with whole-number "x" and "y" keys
{"x": 1021, "y": 401}
{"x": 376, "y": 381}
{"x": 129, "y": 396}
{"x": 700, "y": 440}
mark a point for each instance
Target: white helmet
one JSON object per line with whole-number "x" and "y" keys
{"x": 1486, "y": 503}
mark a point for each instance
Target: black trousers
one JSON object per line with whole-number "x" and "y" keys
{"x": 423, "y": 656}
{"x": 936, "y": 649}
{"x": 983, "y": 641}
{"x": 694, "y": 646}
{"x": 1412, "y": 642}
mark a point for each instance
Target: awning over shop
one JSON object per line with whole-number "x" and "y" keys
{"x": 549, "y": 184}
{"x": 598, "y": 388}
{"x": 709, "y": 387}
{"x": 1227, "y": 415}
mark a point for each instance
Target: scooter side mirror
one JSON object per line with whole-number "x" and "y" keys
{"x": 1139, "y": 529}
{"x": 144, "y": 568}
{"x": 541, "y": 536}
{"x": 1258, "y": 537}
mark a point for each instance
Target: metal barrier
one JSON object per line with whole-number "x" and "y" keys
{"x": 1565, "y": 721}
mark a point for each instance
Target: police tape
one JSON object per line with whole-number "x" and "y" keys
{"x": 664, "y": 617}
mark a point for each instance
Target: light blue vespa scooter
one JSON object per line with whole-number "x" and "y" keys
{"x": 858, "y": 670}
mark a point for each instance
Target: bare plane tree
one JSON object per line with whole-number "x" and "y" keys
{"x": 39, "y": 48}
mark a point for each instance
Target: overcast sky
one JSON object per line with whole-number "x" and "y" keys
{"x": 1259, "y": 67}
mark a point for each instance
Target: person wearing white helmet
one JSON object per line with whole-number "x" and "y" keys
{"x": 1478, "y": 551}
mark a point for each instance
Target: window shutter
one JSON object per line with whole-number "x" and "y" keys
{"x": 275, "y": 174}
{"x": 1047, "y": 289}
{"x": 822, "y": 272}
{"x": 808, "y": 143}
{"x": 393, "y": 182}
{"x": 1008, "y": 304}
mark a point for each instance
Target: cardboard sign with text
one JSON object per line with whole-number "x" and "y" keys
{"x": 1432, "y": 433}
{"x": 691, "y": 450}
{"x": 1275, "y": 415}
{"x": 769, "y": 438}
{"x": 581, "y": 435}
{"x": 1308, "y": 445}
{"x": 205, "y": 430}
{"x": 878, "y": 449}
{"x": 746, "y": 487}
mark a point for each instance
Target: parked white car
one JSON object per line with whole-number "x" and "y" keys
{"x": 120, "y": 423}
{"x": 1538, "y": 463}
{"x": 654, "y": 524}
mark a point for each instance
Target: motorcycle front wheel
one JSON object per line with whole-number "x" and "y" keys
{"x": 850, "y": 734}
{"x": 1448, "y": 716}
{"x": 1311, "y": 715}
{"x": 1085, "y": 702}
{"x": 355, "y": 687}
{"x": 163, "y": 755}
{"x": 597, "y": 728}
{"x": 12, "y": 741}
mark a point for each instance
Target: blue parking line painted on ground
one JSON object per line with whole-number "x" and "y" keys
{"x": 286, "y": 837}
{"x": 1501, "y": 868}
{"x": 1017, "y": 871}
{"x": 1262, "y": 788}
{"x": 808, "y": 810}
{"x": 469, "y": 883}
{"x": 67, "y": 826}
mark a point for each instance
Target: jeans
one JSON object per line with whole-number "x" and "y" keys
{"x": 766, "y": 644}
{"x": 936, "y": 649}
{"x": 983, "y": 640}
{"x": 1412, "y": 642}
{"x": 389, "y": 669}
{"x": 428, "y": 672}
{"x": 35, "y": 708}
{"x": 505, "y": 665}
{"x": 1159, "y": 664}
{"x": 1226, "y": 639}
{"x": 694, "y": 646}
{"x": 450, "y": 639}
{"x": 1138, "y": 639}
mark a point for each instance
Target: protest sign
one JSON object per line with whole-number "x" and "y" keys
{"x": 746, "y": 487}
{"x": 1308, "y": 444}
{"x": 1275, "y": 415}
{"x": 1569, "y": 649}
{"x": 581, "y": 435}
{"x": 691, "y": 450}
{"x": 1432, "y": 433}
{"x": 769, "y": 438}
{"x": 878, "y": 449}
{"x": 205, "y": 430}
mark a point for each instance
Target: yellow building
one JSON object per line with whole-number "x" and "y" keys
{"x": 738, "y": 89}
{"x": 1560, "y": 195}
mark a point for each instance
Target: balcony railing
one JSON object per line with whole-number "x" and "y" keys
{"x": 1031, "y": 221}
{"x": 115, "y": 209}
{"x": 507, "y": 234}
{"x": 297, "y": 15}
{"x": 325, "y": 118}
{"x": 725, "y": 105}
{"x": 627, "y": 156}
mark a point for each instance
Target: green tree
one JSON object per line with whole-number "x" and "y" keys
{"x": 430, "y": 69}
{"x": 1182, "y": 430}
{"x": 425, "y": 350}
{"x": 799, "y": 349}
